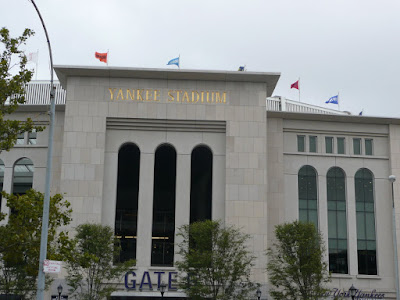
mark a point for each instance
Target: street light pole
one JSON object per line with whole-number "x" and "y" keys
{"x": 46, "y": 203}
{"x": 392, "y": 179}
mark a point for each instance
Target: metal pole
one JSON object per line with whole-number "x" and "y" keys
{"x": 46, "y": 204}
{"x": 392, "y": 179}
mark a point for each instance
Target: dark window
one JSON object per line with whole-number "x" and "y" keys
{"x": 300, "y": 143}
{"x": 32, "y": 138}
{"x": 162, "y": 250}
{"x": 368, "y": 146}
{"x": 357, "y": 146}
{"x": 20, "y": 139}
{"x": 313, "y": 143}
{"x": 201, "y": 184}
{"x": 2, "y": 168}
{"x": 329, "y": 144}
{"x": 127, "y": 200}
{"x": 23, "y": 176}
{"x": 340, "y": 146}
{"x": 307, "y": 182}
{"x": 337, "y": 223}
{"x": 366, "y": 239}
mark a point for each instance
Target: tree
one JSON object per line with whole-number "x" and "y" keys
{"x": 217, "y": 261}
{"x": 90, "y": 267}
{"x": 20, "y": 240}
{"x": 296, "y": 266}
{"x": 12, "y": 87}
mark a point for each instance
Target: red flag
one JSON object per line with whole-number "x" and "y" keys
{"x": 295, "y": 85}
{"x": 101, "y": 56}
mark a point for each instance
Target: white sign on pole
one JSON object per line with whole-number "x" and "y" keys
{"x": 51, "y": 266}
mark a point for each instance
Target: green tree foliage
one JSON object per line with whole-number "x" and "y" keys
{"x": 12, "y": 87}
{"x": 296, "y": 266}
{"x": 217, "y": 261}
{"x": 91, "y": 272}
{"x": 20, "y": 240}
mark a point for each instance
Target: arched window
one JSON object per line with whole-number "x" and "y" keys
{"x": 23, "y": 176}
{"x": 127, "y": 200}
{"x": 337, "y": 222}
{"x": 163, "y": 233}
{"x": 307, "y": 183}
{"x": 201, "y": 184}
{"x": 366, "y": 239}
{"x": 2, "y": 168}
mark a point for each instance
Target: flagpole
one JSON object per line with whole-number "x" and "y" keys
{"x": 299, "y": 89}
{"x": 107, "y": 56}
{"x": 37, "y": 63}
{"x": 179, "y": 59}
{"x": 338, "y": 105}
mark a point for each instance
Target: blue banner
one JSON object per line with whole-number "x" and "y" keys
{"x": 333, "y": 100}
{"x": 174, "y": 61}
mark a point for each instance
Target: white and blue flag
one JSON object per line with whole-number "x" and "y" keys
{"x": 174, "y": 61}
{"x": 333, "y": 100}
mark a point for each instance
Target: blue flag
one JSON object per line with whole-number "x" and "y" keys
{"x": 333, "y": 100}
{"x": 361, "y": 113}
{"x": 241, "y": 68}
{"x": 174, "y": 61}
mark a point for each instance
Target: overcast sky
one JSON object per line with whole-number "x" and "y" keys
{"x": 346, "y": 46}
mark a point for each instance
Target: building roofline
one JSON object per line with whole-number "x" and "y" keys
{"x": 333, "y": 118}
{"x": 269, "y": 78}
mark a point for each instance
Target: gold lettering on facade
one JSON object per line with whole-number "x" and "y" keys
{"x": 197, "y": 96}
{"x": 156, "y": 94}
{"x": 130, "y": 94}
{"x": 218, "y": 98}
{"x": 139, "y": 95}
{"x": 177, "y": 95}
{"x": 147, "y": 95}
{"x": 185, "y": 96}
{"x": 170, "y": 96}
{"x": 120, "y": 93}
{"x": 111, "y": 93}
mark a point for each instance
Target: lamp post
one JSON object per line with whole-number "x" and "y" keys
{"x": 46, "y": 202}
{"x": 59, "y": 289}
{"x": 392, "y": 179}
{"x": 258, "y": 293}
{"x": 352, "y": 291}
{"x": 163, "y": 286}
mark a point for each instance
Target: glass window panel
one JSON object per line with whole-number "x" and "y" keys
{"x": 303, "y": 215}
{"x": 361, "y": 225}
{"x": 127, "y": 200}
{"x": 341, "y": 205}
{"x": 23, "y": 176}
{"x": 370, "y": 226}
{"x": 313, "y": 218}
{"x": 313, "y": 143}
{"x": 201, "y": 184}
{"x": 369, "y": 207}
{"x": 332, "y": 205}
{"x": 163, "y": 232}
{"x": 371, "y": 245}
{"x": 332, "y": 226}
{"x": 20, "y": 139}
{"x": 312, "y": 204}
{"x": 303, "y": 204}
{"x": 32, "y": 138}
{"x": 361, "y": 245}
{"x": 300, "y": 143}
{"x": 342, "y": 245}
{"x": 332, "y": 244}
{"x": 329, "y": 144}
{"x": 340, "y": 145}
{"x": 342, "y": 224}
{"x": 368, "y": 146}
{"x": 357, "y": 146}
{"x": 360, "y": 206}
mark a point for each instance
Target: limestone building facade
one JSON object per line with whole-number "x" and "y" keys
{"x": 148, "y": 150}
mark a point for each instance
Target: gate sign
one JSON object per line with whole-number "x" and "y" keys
{"x": 51, "y": 266}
